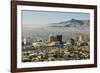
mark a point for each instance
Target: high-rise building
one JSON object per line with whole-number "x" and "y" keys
{"x": 59, "y": 38}
{"x": 51, "y": 38}
{"x": 80, "y": 38}
{"x": 24, "y": 41}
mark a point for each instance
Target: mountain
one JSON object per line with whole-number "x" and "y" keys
{"x": 71, "y": 23}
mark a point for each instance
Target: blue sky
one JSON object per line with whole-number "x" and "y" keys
{"x": 43, "y": 17}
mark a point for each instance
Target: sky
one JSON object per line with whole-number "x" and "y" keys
{"x": 40, "y": 18}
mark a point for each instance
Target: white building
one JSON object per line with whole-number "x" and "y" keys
{"x": 38, "y": 44}
{"x": 54, "y": 43}
{"x": 26, "y": 40}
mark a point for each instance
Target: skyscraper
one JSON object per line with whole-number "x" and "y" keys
{"x": 80, "y": 38}
{"x": 59, "y": 38}
{"x": 51, "y": 38}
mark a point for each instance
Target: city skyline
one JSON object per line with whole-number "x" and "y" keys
{"x": 57, "y": 42}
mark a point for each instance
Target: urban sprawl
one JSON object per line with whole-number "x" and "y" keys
{"x": 54, "y": 49}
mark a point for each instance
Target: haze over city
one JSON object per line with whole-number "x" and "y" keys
{"x": 35, "y": 19}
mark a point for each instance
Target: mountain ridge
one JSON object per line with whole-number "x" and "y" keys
{"x": 71, "y": 23}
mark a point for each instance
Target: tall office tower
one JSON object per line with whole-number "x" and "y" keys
{"x": 51, "y": 38}
{"x": 24, "y": 41}
{"x": 59, "y": 38}
{"x": 80, "y": 38}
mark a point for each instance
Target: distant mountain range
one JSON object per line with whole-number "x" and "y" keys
{"x": 71, "y": 23}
